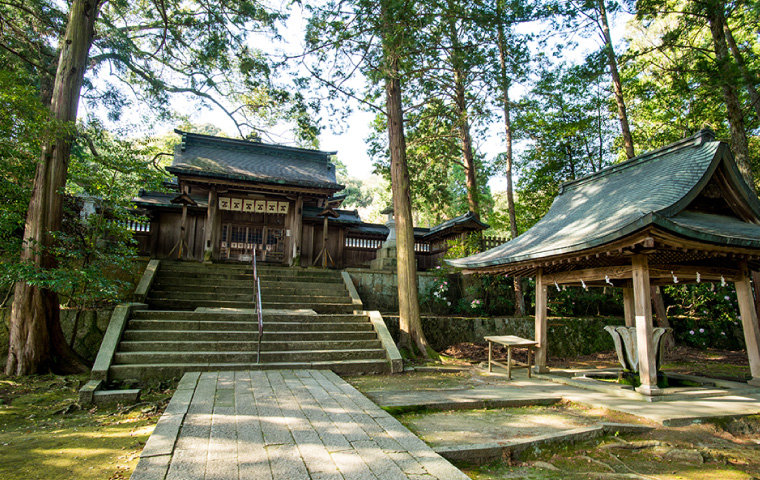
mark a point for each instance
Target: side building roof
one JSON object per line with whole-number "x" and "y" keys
{"x": 665, "y": 188}
{"x": 225, "y": 158}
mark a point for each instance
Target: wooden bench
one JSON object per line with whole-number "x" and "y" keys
{"x": 510, "y": 341}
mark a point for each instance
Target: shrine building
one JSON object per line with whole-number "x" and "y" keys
{"x": 232, "y": 197}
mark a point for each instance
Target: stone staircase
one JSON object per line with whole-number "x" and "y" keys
{"x": 200, "y": 319}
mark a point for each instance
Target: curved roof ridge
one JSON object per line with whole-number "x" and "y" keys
{"x": 704, "y": 135}
{"x": 251, "y": 143}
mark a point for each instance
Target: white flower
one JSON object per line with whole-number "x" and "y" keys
{"x": 727, "y": 297}
{"x": 701, "y": 330}
{"x": 691, "y": 332}
{"x": 723, "y": 333}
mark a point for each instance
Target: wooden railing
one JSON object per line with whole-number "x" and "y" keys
{"x": 257, "y": 299}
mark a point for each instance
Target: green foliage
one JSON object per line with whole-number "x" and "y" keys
{"x": 94, "y": 250}
{"x": 705, "y": 315}
{"x": 458, "y": 248}
{"x": 437, "y": 298}
{"x": 24, "y": 124}
{"x": 570, "y": 132}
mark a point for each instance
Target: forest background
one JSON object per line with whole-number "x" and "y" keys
{"x": 454, "y": 70}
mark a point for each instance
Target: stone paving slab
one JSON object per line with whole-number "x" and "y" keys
{"x": 537, "y": 389}
{"x": 282, "y": 424}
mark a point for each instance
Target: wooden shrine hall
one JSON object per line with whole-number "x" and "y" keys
{"x": 680, "y": 214}
{"x": 232, "y": 197}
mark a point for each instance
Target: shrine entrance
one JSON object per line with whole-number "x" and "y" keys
{"x": 240, "y": 240}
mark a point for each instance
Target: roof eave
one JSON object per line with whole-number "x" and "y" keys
{"x": 335, "y": 187}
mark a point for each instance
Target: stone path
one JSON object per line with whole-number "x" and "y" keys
{"x": 533, "y": 391}
{"x": 282, "y": 424}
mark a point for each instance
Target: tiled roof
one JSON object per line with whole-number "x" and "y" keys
{"x": 651, "y": 189}
{"x": 467, "y": 218}
{"x": 157, "y": 199}
{"x": 208, "y": 156}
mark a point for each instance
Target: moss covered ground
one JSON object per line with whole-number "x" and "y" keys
{"x": 45, "y": 434}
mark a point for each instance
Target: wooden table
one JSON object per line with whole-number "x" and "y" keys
{"x": 510, "y": 341}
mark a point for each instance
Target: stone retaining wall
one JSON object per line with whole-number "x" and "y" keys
{"x": 567, "y": 337}
{"x": 92, "y": 326}
{"x": 378, "y": 289}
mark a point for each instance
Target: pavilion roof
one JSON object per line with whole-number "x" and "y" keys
{"x": 225, "y": 158}
{"x": 690, "y": 189}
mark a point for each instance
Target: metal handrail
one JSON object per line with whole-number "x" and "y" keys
{"x": 257, "y": 299}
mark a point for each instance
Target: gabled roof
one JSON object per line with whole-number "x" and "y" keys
{"x": 665, "y": 188}
{"x": 217, "y": 157}
{"x": 468, "y": 221}
{"x": 158, "y": 199}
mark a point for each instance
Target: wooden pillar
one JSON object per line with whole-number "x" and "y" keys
{"x": 629, "y": 307}
{"x": 541, "y": 306}
{"x": 208, "y": 237}
{"x": 297, "y": 230}
{"x": 325, "y": 237}
{"x": 749, "y": 322}
{"x": 643, "y": 310}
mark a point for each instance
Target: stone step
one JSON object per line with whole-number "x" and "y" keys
{"x": 198, "y": 269}
{"x": 243, "y": 317}
{"x": 152, "y": 371}
{"x": 281, "y": 288}
{"x": 235, "y": 335}
{"x": 131, "y": 358}
{"x": 226, "y": 326}
{"x": 243, "y": 344}
{"x": 172, "y": 304}
{"x": 191, "y": 278}
{"x": 303, "y": 298}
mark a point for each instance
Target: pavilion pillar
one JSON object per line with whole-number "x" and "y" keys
{"x": 749, "y": 322}
{"x": 541, "y": 311}
{"x": 209, "y": 244}
{"x": 629, "y": 307}
{"x": 643, "y": 313}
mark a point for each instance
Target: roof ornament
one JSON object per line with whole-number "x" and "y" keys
{"x": 705, "y": 135}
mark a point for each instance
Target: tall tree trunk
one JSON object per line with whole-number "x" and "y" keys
{"x": 739, "y": 143}
{"x": 468, "y": 158}
{"x": 410, "y": 322}
{"x": 506, "y": 105}
{"x": 617, "y": 85}
{"x": 37, "y": 343}
{"x": 749, "y": 82}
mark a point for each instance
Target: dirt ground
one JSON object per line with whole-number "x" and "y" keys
{"x": 711, "y": 363}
